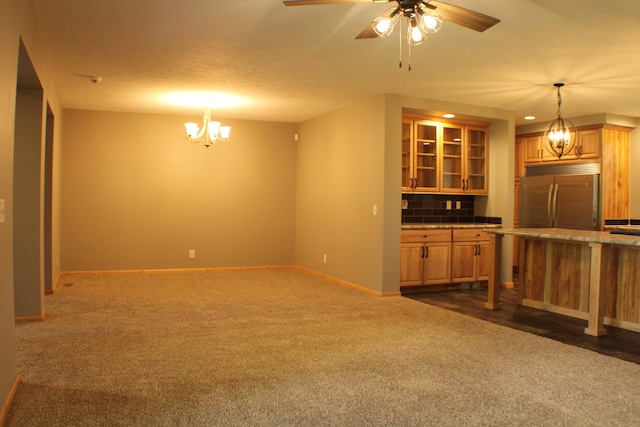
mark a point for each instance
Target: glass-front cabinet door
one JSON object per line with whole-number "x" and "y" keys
{"x": 407, "y": 152}
{"x": 426, "y": 156}
{"x": 439, "y": 157}
{"x": 452, "y": 158}
{"x": 476, "y": 167}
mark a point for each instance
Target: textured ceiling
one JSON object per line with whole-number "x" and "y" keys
{"x": 294, "y": 63}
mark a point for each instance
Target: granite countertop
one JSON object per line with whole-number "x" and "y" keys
{"x": 439, "y": 226}
{"x": 584, "y": 236}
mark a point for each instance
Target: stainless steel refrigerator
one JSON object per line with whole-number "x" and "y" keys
{"x": 561, "y": 201}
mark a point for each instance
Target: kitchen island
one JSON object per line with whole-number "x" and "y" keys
{"x": 589, "y": 275}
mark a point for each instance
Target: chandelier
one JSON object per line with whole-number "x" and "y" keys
{"x": 561, "y": 134}
{"x": 210, "y": 132}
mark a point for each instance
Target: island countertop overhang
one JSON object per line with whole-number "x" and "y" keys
{"x": 584, "y": 236}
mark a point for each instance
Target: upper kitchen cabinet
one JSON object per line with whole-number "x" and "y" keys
{"x": 534, "y": 150}
{"x": 444, "y": 157}
{"x": 477, "y": 171}
{"x": 420, "y": 162}
{"x": 587, "y": 146}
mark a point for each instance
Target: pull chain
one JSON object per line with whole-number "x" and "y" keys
{"x": 400, "y": 44}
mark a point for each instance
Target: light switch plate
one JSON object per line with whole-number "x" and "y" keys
{"x": 2, "y": 211}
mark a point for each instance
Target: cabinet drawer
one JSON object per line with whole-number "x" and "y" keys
{"x": 420, "y": 236}
{"x": 469, "y": 235}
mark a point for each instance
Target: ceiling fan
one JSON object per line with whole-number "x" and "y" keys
{"x": 414, "y": 9}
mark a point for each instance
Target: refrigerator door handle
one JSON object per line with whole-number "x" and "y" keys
{"x": 550, "y": 206}
{"x": 555, "y": 205}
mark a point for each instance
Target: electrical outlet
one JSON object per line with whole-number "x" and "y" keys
{"x": 448, "y": 204}
{"x": 324, "y": 258}
{"x": 405, "y": 204}
{"x": 458, "y": 204}
{"x": 192, "y": 253}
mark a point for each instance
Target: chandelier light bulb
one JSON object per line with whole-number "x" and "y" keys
{"x": 224, "y": 132}
{"x": 192, "y": 130}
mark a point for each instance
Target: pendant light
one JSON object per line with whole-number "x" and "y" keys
{"x": 561, "y": 135}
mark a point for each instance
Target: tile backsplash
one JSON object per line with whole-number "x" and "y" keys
{"x": 432, "y": 208}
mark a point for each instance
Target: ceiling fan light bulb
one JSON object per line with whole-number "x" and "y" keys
{"x": 415, "y": 35}
{"x": 429, "y": 21}
{"x": 432, "y": 24}
{"x": 383, "y": 25}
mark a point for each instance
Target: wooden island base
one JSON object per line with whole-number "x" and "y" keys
{"x": 589, "y": 275}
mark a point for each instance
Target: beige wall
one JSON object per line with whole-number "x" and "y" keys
{"x": 341, "y": 173}
{"x": 349, "y": 160}
{"x": 27, "y": 233}
{"x": 137, "y": 195}
{"x": 17, "y": 21}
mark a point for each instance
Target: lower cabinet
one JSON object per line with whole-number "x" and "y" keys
{"x": 470, "y": 260}
{"x": 425, "y": 257}
{"x": 436, "y": 257}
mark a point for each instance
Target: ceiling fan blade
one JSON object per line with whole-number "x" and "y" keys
{"x": 367, "y": 33}
{"x": 317, "y": 2}
{"x": 465, "y": 17}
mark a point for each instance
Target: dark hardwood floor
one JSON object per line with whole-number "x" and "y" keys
{"x": 619, "y": 343}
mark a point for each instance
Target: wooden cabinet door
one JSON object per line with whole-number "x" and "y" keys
{"x": 437, "y": 263}
{"x": 519, "y": 170}
{"x": 589, "y": 142}
{"x": 476, "y": 170}
{"x": 482, "y": 261}
{"x": 425, "y": 157}
{"x": 531, "y": 149}
{"x": 453, "y": 155}
{"x": 464, "y": 262}
{"x": 535, "y": 150}
{"x": 411, "y": 264}
{"x": 407, "y": 153}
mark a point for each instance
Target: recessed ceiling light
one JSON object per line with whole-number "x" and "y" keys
{"x": 449, "y": 116}
{"x": 529, "y": 117}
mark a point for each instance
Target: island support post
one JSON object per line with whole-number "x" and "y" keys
{"x": 495, "y": 247}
